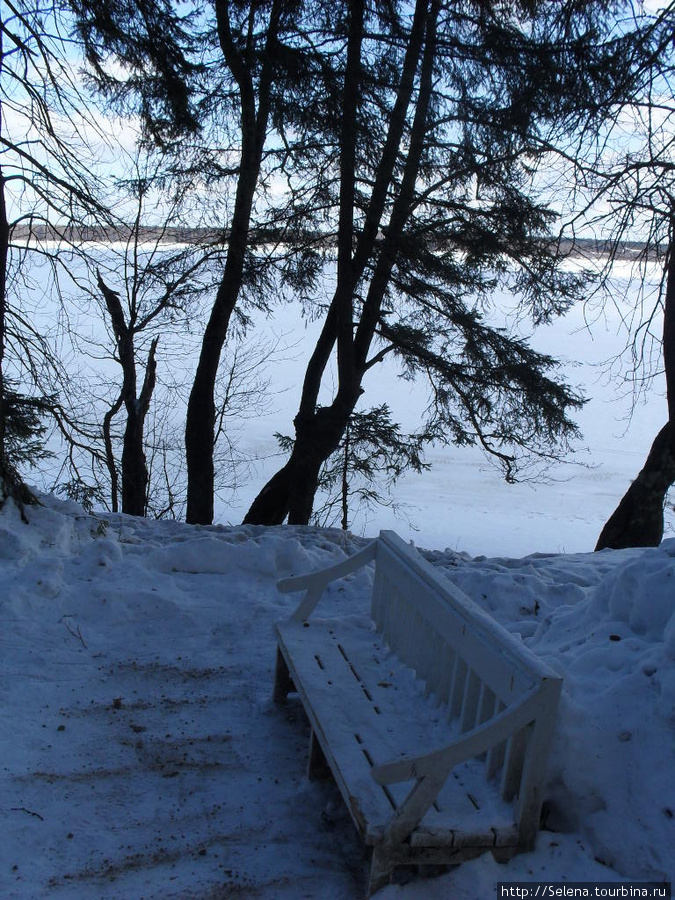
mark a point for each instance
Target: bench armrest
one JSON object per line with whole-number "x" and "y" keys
{"x": 315, "y": 582}
{"x": 439, "y": 763}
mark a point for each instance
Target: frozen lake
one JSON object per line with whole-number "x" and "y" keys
{"x": 462, "y": 503}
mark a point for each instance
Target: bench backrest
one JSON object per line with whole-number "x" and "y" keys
{"x": 466, "y": 659}
{"x": 431, "y": 623}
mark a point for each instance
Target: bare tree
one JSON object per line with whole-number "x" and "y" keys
{"x": 638, "y": 520}
{"x": 161, "y": 285}
{"x": 141, "y": 299}
{"x": 221, "y": 78}
{"x": 46, "y": 185}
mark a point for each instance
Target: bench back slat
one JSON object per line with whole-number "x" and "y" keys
{"x": 437, "y": 650}
{"x": 495, "y": 757}
{"x": 459, "y": 676}
{"x": 513, "y": 764}
{"x": 447, "y": 667}
{"x": 487, "y": 705}
{"x": 408, "y": 595}
{"x": 472, "y": 691}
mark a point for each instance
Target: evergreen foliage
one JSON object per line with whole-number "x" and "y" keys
{"x": 25, "y": 427}
{"x": 23, "y": 444}
{"x": 458, "y": 108}
{"x": 373, "y": 451}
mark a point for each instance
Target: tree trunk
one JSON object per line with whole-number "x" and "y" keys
{"x": 11, "y": 484}
{"x": 316, "y": 439}
{"x": 270, "y": 507}
{"x": 201, "y": 411}
{"x": 134, "y": 464}
{"x": 4, "y": 256}
{"x": 110, "y": 462}
{"x": 290, "y": 492}
{"x": 669, "y": 337}
{"x": 344, "y": 487}
{"x": 319, "y": 430}
{"x": 134, "y": 468}
{"x": 638, "y": 519}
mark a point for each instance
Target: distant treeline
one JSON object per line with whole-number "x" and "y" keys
{"x": 212, "y": 236}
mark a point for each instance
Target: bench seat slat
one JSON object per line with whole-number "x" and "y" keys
{"x": 360, "y": 687}
{"x": 505, "y": 836}
{"x": 338, "y": 712}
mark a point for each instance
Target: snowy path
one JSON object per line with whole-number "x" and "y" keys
{"x": 160, "y": 769}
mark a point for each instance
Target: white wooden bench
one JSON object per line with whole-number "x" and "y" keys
{"x": 439, "y": 764}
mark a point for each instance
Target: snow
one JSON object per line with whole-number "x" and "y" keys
{"x": 141, "y": 755}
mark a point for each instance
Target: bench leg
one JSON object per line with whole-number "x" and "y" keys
{"x": 381, "y": 871}
{"x": 317, "y": 767}
{"x": 283, "y": 683}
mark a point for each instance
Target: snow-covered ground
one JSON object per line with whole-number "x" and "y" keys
{"x": 141, "y": 756}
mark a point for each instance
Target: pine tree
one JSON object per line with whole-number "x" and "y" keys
{"x": 438, "y": 209}
{"x": 373, "y": 449}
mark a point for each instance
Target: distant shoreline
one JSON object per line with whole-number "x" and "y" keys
{"x": 578, "y": 247}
